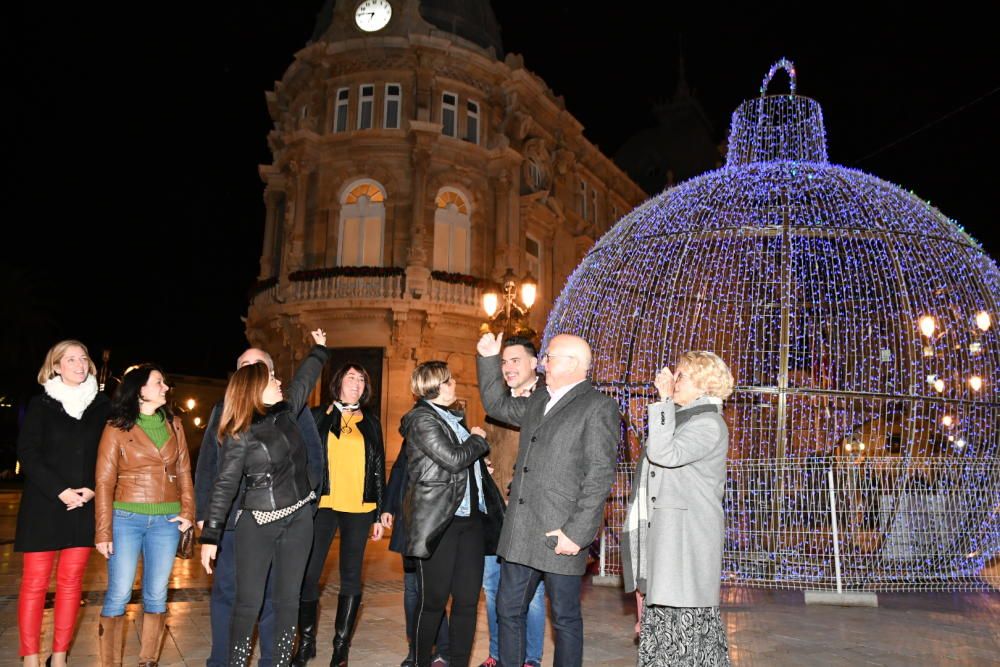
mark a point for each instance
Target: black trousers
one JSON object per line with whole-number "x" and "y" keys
{"x": 354, "y": 530}
{"x": 282, "y": 547}
{"x": 455, "y": 570}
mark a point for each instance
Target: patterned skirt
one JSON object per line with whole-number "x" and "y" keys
{"x": 682, "y": 637}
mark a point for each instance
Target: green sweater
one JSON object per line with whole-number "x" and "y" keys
{"x": 155, "y": 426}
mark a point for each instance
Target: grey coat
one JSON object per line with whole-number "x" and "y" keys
{"x": 684, "y": 470}
{"x": 564, "y": 470}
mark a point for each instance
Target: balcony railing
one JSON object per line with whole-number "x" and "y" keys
{"x": 374, "y": 288}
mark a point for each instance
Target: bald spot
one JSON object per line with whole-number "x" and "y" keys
{"x": 572, "y": 346}
{"x": 255, "y": 356}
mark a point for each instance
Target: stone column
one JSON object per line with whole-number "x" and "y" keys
{"x": 417, "y": 273}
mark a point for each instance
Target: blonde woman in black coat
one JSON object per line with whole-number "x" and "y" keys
{"x": 57, "y": 449}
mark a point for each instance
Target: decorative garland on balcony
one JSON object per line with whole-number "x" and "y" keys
{"x": 461, "y": 279}
{"x": 351, "y": 271}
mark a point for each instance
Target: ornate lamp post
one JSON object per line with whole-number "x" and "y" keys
{"x": 510, "y": 316}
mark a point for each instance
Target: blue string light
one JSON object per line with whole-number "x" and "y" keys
{"x": 813, "y": 281}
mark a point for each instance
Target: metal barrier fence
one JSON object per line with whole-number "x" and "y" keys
{"x": 847, "y": 523}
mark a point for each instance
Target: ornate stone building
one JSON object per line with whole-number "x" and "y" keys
{"x": 413, "y": 163}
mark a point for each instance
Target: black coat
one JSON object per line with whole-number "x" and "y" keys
{"x": 271, "y": 455}
{"x": 57, "y": 452}
{"x": 394, "y": 492}
{"x": 438, "y": 467}
{"x": 371, "y": 431}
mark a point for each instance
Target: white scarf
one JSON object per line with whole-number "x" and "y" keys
{"x": 74, "y": 399}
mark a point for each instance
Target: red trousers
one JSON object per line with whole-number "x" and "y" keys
{"x": 34, "y": 584}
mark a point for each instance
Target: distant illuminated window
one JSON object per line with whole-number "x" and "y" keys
{"x": 362, "y": 221}
{"x": 452, "y": 232}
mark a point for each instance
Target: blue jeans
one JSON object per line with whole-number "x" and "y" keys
{"x": 155, "y": 538}
{"x": 517, "y": 588}
{"x": 535, "y": 631}
{"x": 221, "y": 607}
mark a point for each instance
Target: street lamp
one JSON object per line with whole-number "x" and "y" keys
{"x": 503, "y": 310}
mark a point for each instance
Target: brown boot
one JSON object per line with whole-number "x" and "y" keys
{"x": 152, "y": 639}
{"x": 109, "y": 637}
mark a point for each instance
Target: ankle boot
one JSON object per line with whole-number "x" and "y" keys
{"x": 152, "y": 639}
{"x": 306, "y": 649}
{"x": 347, "y": 616}
{"x": 109, "y": 639}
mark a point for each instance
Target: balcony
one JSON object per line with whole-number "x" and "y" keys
{"x": 461, "y": 294}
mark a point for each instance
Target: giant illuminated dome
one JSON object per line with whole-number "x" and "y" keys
{"x": 860, "y": 324}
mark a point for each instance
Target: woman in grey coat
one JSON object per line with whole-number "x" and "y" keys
{"x": 675, "y": 527}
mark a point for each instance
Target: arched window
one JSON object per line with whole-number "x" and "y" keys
{"x": 452, "y": 232}
{"x": 362, "y": 221}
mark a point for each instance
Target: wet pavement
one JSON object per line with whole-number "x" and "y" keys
{"x": 766, "y": 627}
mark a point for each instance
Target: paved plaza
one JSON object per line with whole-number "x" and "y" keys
{"x": 766, "y": 628}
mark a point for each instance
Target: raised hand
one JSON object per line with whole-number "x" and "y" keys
{"x": 489, "y": 345}
{"x": 664, "y": 383}
{"x": 319, "y": 336}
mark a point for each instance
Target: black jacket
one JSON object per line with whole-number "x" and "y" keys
{"x": 371, "y": 430}
{"x": 270, "y": 454}
{"x": 437, "y": 474}
{"x": 394, "y": 492}
{"x": 208, "y": 462}
{"x": 57, "y": 452}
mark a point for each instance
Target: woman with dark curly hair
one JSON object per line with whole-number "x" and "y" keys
{"x": 145, "y": 500}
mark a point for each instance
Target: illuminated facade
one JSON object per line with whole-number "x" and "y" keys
{"x": 414, "y": 163}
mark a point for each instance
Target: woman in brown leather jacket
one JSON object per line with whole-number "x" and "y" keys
{"x": 144, "y": 501}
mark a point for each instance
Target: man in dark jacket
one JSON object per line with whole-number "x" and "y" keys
{"x": 224, "y": 575}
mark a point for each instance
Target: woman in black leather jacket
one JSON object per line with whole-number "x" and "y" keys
{"x": 452, "y": 511}
{"x": 353, "y": 487}
{"x": 261, "y": 442}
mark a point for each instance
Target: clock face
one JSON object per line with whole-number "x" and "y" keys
{"x": 373, "y": 15}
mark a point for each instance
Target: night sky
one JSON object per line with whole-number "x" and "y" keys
{"x": 137, "y": 133}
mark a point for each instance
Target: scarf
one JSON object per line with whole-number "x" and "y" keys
{"x": 75, "y": 400}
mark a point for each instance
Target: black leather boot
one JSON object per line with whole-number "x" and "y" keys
{"x": 347, "y": 616}
{"x": 306, "y": 650}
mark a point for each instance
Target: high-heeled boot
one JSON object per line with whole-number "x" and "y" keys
{"x": 306, "y": 650}
{"x": 152, "y": 639}
{"x": 347, "y": 616}
{"x": 109, "y": 639}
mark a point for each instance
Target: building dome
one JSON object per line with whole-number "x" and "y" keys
{"x": 860, "y": 324}
{"x": 472, "y": 19}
